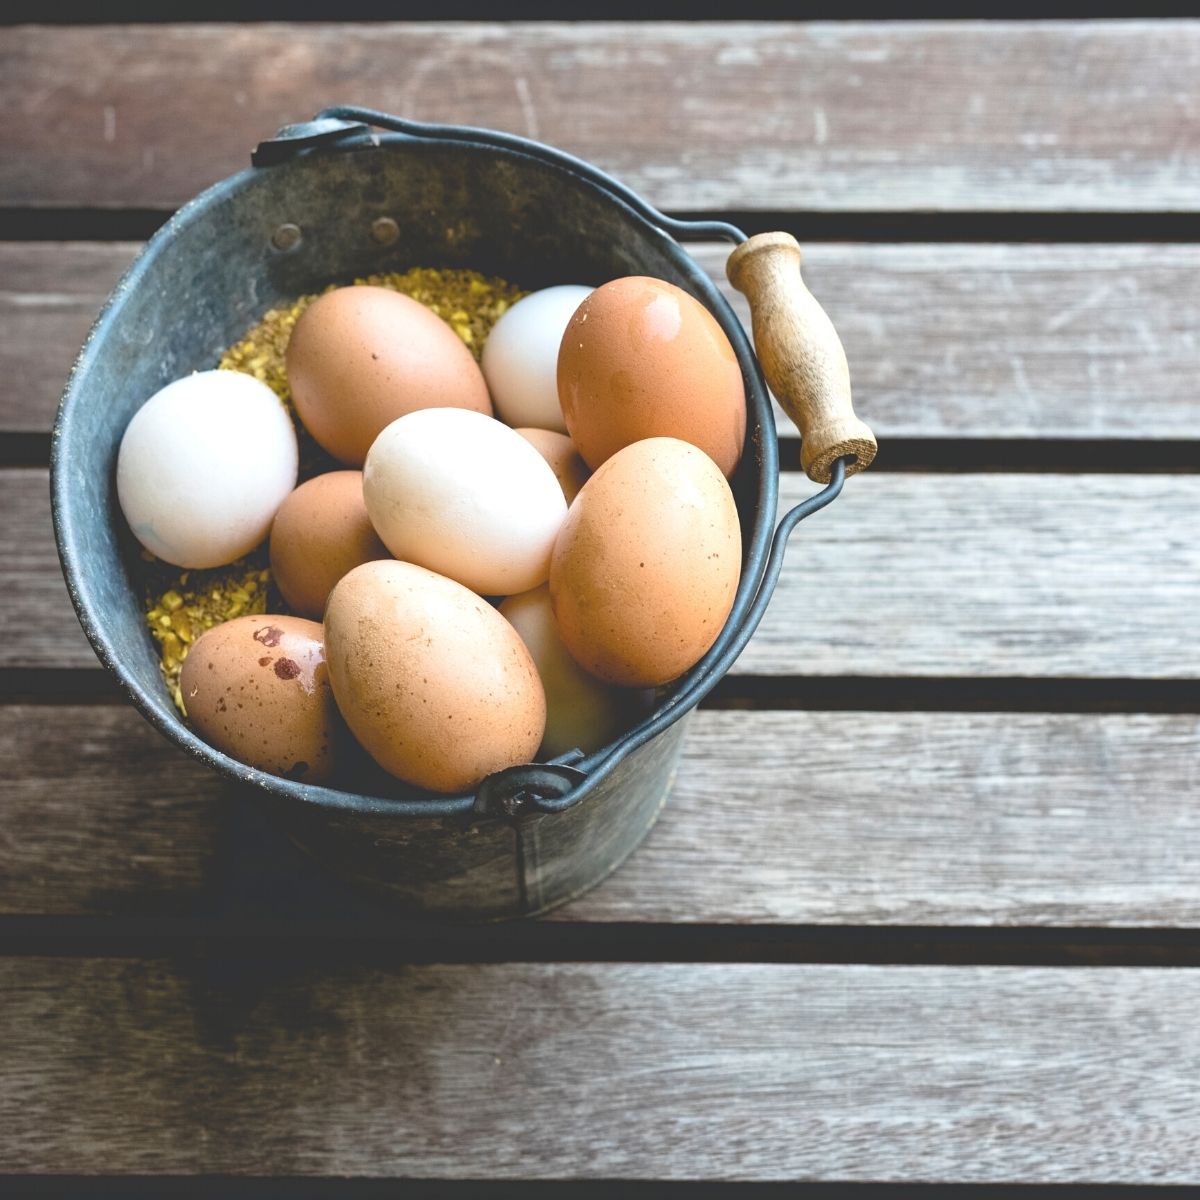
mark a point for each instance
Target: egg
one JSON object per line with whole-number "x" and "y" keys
{"x": 257, "y": 688}
{"x": 647, "y": 564}
{"x": 433, "y": 682}
{"x": 641, "y": 358}
{"x": 520, "y": 356}
{"x": 581, "y": 712}
{"x": 465, "y": 496}
{"x": 559, "y": 451}
{"x": 359, "y": 357}
{"x": 203, "y": 466}
{"x": 320, "y": 532}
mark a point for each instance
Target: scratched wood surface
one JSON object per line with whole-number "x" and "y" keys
{"x": 670, "y": 1071}
{"x": 945, "y": 341}
{"x": 839, "y": 116}
{"x": 907, "y": 575}
{"x": 182, "y": 993}
{"x": 949, "y": 819}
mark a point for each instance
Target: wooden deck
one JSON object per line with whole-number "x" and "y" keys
{"x": 924, "y": 905}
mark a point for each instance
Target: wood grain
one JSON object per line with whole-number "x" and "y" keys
{"x": 801, "y": 355}
{"x": 665, "y": 1071}
{"x": 960, "y": 341}
{"x": 1048, "y": 576}
{"x": 899, "y": 116}
{"x": 950, "y": 819}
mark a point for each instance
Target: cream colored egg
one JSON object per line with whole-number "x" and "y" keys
{"x": 520, "y": 356}
{"x": 581, "y": 712}
{"x": 465, "y": 496}
{"x": 433, "y": 682}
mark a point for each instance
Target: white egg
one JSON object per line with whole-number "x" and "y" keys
{"x": 581, "y": 712}
{"x": 203, "y": 466}
{"x": 459, "y": 493}
{"x": 520, "y": 357}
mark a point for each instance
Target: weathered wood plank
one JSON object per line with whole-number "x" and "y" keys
{"x": 906, "y": 575}
{"x": 990, "y": 575}
{"x": 944, "y": 340}
{"x": 910, "y": 117}
{"x": 50, "y": 293}
{"x": 654, "y": 1071}
{"x": 950, "y": 819}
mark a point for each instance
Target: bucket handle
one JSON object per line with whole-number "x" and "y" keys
{"x": 801, "y": 357}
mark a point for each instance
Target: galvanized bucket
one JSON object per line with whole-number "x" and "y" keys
{"x": 333, "y": 199}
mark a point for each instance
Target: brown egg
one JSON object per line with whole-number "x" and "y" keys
{"x": 257, "y": 689}
{"x": 640, "y": 359}
{"x": 646, "y": 564}
{"x": 320, "y": 532}
{"x": 434, "y": 683}
{"x": 359, "y": 357}
{"x": 559, "y": 451}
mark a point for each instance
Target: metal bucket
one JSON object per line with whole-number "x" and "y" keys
{"x": 328, "y": 201}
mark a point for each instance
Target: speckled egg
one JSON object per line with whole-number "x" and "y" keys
{"x": 257, "y": 688}
{"x": 641, "y": 358}
{"x": 359, "y": 357}
{"x": 434, "y": 683}
{"x": 321, "y": 532}
{"x": 647, "y": 563}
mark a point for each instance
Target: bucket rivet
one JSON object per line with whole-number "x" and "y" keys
{"x": 286, "y": 237}
{"x": 384, "y": 230}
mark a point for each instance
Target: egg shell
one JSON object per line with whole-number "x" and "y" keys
{"x": 520, "y": 356}
{"x": 641, "y": 358}
{"x": 559, "y": 451}
{"x": 581, "y": 712}
{"x": 257, "y": 688}
{"x": 647, "y": 564}
{"x": 465, "y": 496}
{"x": 433, "y": 682}
{"x": 203, "y": 466}
{"x": 320, "y": 532}
{"x": 359, "y": 357}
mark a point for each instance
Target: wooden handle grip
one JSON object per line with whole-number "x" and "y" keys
{"x": 801, "y": 354}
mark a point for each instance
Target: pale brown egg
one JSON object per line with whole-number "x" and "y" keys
{"x": 434, "y": 683}
{"x": 641, "y": 358}
{"x": 257, "y": 689}
{"x": 321, "y": 532}
{"x": 647, "y": 564}
{"x": 559, "y": 451}
{"x": 359, "y": 357}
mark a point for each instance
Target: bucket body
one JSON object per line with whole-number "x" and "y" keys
{"x": 211, "y": 273}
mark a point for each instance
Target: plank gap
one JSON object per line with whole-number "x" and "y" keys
{"x": 139, "y": 12}
{"x": 237, "y": 1187}
{"x": 89, "y": 685}
{"x": 866, "y": 694}
{"x": 55, "y": 224}
{"x": 247, "y": 944}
